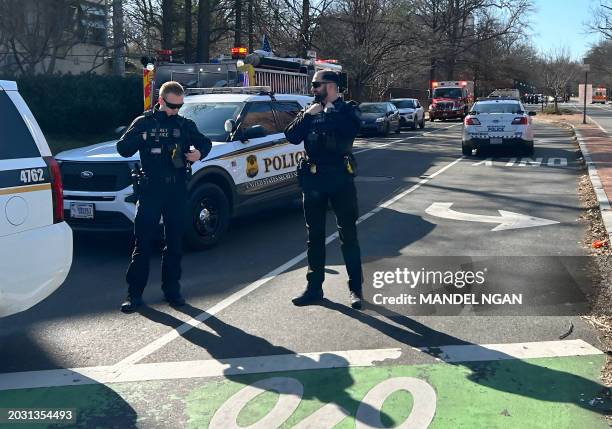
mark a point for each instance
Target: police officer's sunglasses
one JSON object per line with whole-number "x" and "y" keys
{"x": 172, "y": 105}
{"x": 318, "y": 84}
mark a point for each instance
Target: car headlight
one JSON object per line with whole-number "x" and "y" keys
{"x": 378, "y": 120}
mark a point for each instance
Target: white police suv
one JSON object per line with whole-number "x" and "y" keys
{"x": 498, "y": 122}
{"x": 251, "y": 165}
{"x": 35, "y": 242}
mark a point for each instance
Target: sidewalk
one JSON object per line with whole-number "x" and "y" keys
{"x": 596, "y": 146}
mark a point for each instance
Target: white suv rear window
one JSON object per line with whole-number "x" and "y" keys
{"x": 15, "y": 138}
{"x": 497, "y": 108}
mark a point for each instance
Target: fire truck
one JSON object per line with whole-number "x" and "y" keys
{"x": 450, "y": 99}
{"x": 599, "y": 95}
{"x": 260, "y": 68}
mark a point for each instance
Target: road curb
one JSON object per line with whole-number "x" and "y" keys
{"x": 600, "y": 193}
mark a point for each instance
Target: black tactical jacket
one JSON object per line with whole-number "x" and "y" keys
{"x": 156, "y": 136}
{"x": 327, "y": 136}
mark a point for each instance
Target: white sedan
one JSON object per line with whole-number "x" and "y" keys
{"x": 498, "y": 123}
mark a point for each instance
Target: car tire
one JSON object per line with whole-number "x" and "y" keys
{"x": 466, "y": 150}
{"x": 422, "y": 123}
{"x": 528, "y": 149}
{"x": 398, "y": 129}
{"x": 387, "y": 130}
{"x": 204, "y": 230}
{"x": 413, "y": 126}
{"x": 431, "y": 119}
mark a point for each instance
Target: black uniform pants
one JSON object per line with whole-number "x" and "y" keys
{"x": 169, "y": 201}
{"x": 344, "y": 204}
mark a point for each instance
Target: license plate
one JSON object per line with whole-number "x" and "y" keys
{"x": 496, "y": 140}
{"x": 82, "y": 210}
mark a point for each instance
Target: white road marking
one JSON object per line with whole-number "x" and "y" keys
{"x": 506, "y": 220}
{"x": 290, "y": 362}
{"x": 196, "y": 369}
{"x": 223, "y": 304}
{"x": 540, "y": 349}
{"x": 538, "y": 162}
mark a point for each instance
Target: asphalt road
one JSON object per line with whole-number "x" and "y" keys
{"x": 423, "y": 206}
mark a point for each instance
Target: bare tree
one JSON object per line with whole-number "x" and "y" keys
{"x": 167, "y": 23}
{"x": 203, "y": 46}
{"x": 38, "y": 33}
{"x": 187, "y": 47}
{"x": 558, "y": 70}
{"x": 601, "y": 21}
{"x": 118, "y": 39}
{"x": 371, "y": 40}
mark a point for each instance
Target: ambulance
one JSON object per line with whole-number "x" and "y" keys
{"x": 450, "y": 99}
{"x": 599, "y": 95}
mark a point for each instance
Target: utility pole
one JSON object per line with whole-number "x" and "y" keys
{"x": 586, "y": 68}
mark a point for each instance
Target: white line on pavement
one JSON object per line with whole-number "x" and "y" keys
{"x": 541, "y": 349}
{"x": 223, "y": 304}
{"x": 196, "y": 369}
{"x": 288, "y": 362}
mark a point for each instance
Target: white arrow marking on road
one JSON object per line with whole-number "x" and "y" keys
{"x": 506, "y": 220}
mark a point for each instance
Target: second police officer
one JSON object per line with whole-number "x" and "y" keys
{"x": 167, "y": 143}
{"x": 328, "y": 128}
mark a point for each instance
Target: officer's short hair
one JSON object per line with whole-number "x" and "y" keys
{"x": 171, "y": 87}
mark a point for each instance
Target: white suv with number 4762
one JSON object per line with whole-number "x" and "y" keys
{"x": 35, "y": 242}
{"x": 251, "y": 165}
{"x": 498, "y": 122}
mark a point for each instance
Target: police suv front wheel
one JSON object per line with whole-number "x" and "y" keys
{"x": 209, "y": 217}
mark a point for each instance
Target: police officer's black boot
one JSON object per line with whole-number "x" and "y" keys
{"x": 175, "y": 299}
{"x": 312, "y": 295}
{"x": 356, "y": 300}
{"x": 131, "y": 303}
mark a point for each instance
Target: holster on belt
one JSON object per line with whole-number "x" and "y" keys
{"x": 350, "y": 164}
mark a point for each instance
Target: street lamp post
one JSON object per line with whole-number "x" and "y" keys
{"x": 586, "y": 68}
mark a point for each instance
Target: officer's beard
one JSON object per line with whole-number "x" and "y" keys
{"x": 321, "y": 96}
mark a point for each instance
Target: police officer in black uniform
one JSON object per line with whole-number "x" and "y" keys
{"x": 328, "y": 128}
{"x": 168, "y": 144}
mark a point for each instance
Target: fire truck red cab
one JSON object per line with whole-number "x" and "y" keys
{"x": 450, "y": 99}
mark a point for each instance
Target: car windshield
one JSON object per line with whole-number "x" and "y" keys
{"x": 210, "y": 117}
{"x": 447, "y": 93}
{"x": 372, "y": 108}
{"x": 497, "y": 108}
{"x": 404, "y": 104}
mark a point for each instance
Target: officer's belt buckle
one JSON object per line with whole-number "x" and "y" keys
{"x": 313, "y": 168}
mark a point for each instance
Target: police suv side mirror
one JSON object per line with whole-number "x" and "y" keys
{"x": 230, "y": 126}
{"x": 253, "y": 132}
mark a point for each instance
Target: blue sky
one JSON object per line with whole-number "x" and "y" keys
{"x": 558, "y": 23}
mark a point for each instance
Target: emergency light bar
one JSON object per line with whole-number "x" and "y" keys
{"x": 239, "y": 52}
{"x": 449, "y": 83}
{"x": 257, "y": 90}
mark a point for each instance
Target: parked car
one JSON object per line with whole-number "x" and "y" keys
{"x": 251, "y": 166}
{"x": 498, "y": 123}
{"x": 35, "y": 242}
{"x": 379, "y": 118}
{"x": 411, "y": 112}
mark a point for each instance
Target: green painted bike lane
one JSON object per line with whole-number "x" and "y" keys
{"x": 559, "y": 393}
